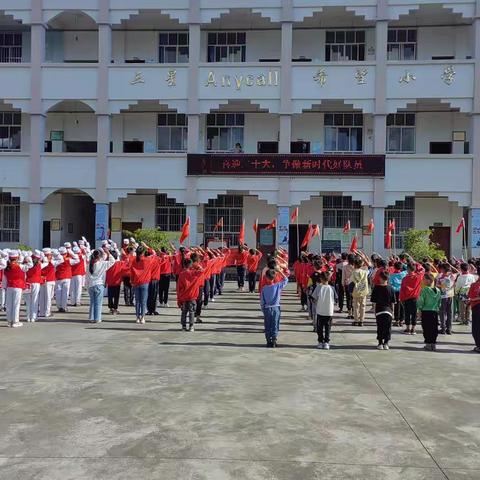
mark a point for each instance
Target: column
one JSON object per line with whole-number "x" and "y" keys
{"x": 286, "y": 78}
{"x": 104, "y": 135}
{"x": 379, "y": 232}
{"x": 37, "y": 126}
{"x": 192, "y": 212}
{"x": 193, "y": 107}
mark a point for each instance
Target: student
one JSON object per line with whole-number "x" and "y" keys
{"x": 63, "y": 275}
{"x": 324, "y": 302}
{"x": 428, "y": 305}
{"x": 100, "y": 261}
{"x": 398, "y": 273}
{"x": 474, "y": 299}
{"x": 241, "y": 262}
{"x": 409, "y": 293}
{"x": 253, "y": 259}
{"x": 462, "y": 287}
{"x": 446, "y": 283}
{"x": 154, "y": 281}
{"x": 113, "y": 281}
{"x": 188, "y": 285}
{"x": 383, "y": 297}
{"x": 14, "y": 271}
{"x": 270, "y": 305}
{"x": 165, "y": 274}
{"x": 340, "y": 263}
{"x": 78, "y": 273}
{"x": 347, "y": 270}
{"x": 47, "y": 289}
{"x": 140, "y": 275}
{"x": 359, "y": 279}
{"x": 128, "y": 255}
{"x": 34, "y": 280}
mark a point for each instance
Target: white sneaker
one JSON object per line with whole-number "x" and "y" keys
{"x": 326, "y": 346}
{"x": 166, "y": 305}
{"x": 17, "y": 324}
{"x": 379, "y": 346}
{"x": 142, "y": 320}
{"x": 212, "y": 299}
{"x": 320, "y": 345}
{"x": 191, "y": 329}
{"x": 386, "y": 347}
{"x": 138, "y": 320}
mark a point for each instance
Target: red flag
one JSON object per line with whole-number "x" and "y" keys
{"x": 241, "y": 235}
{"x": 371, "y": 226}
{"x": 272, "y": 225}
{"x": 294, "y": 215}
{"x": 255, "y": 225}
{"x": 388, "y": 238}
{"x": 307, "y": 237}
{"x": 461, "y": 226}
{"x": 391, "y": 225}
{"x": 218, "y": 225}
{"x": 185, "y": 230}
{"x": 354, "y": 244}
{"x": 346, "y": 228}
{"x": 315, "y": 231}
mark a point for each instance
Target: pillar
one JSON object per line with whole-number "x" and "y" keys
{"x": 285, "y": 133}
{"x": 102, "y": 220}
{"x": 37, "y": 126}
{"x": 192, "y": 212}
{"x": 379, "y": 232}
{"x": 193, "y": 107}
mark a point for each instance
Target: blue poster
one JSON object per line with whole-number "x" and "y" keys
{"x": 475, "y": 228}
{"x": 101, "y": 223}
{"x": 283, "y": 227}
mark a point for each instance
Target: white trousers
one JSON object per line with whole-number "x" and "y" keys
{"x": 12, "y": 303}
{"x": 46, "y": 295}
{"x": 2, "y": 297}
{"x": 76, "y": 290}
{"x": 62, "y": 288}
{"x": 32, "y": 300}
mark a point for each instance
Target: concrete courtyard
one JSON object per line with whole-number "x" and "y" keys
{"x": 126, "y": 401}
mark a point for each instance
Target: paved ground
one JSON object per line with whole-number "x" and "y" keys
{"x": 123, "y": 401}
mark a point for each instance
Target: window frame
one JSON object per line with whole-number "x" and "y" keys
{"x": 180, "y": 121}
{"x": 230, "y": 207}
{"x": 7, "y": 232}
{"x": 339, "y": 121}
{"x": 401, "y": 44}
{"x": 401, "y": 127}
{"x": 163, "y": 46}
{"x": 167, "y": 209}
{"x": 402, "y": 212}
{"x": 228, "y": 45}
{"x": 15, "y": 123}
{"x": 232, "y": 121}
{"x": 7, "y": 51}
{"x": 341, "y": 209}
{"x": 358, "y": 46}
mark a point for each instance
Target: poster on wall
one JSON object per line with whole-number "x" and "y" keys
{"x": 283, "y": 227}
{"x": 475, "y": 228}
{"x": 101, "y": 222}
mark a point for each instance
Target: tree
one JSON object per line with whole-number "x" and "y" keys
{"x": 419, "y": 245}
{"x": 153, "y": 237}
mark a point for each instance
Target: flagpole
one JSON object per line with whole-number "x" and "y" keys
{"x": 222, "y": 234}
{"x": 298, "y": 239}
{"x": 319, "y": 241}
{"x": 464, "y": 241}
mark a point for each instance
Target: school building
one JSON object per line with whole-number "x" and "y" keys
{"x": 119, "y": 114}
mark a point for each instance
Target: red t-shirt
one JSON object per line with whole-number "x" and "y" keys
{"x": 189, "y": 282}
{"x": 34, "y": 274}
{"x": 253, "y": 261}
{"x": 15, "y": 276}
{"x": 474, "y": 292}
{"x": 64, "y": 270}
{"x": 79, "y": 268}
{"x": 48, "y": 273}
{"x": 141, "y": 271}
{"x": 116, "y": 273}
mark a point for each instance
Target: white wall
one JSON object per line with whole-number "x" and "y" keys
{"x": 254, "y": 208}
{"x": 259, "y": 127}
{"x": 76, "y": 126}
{"x": 80, "y": 45}
{"x": 263, "y": 44}
{"x": 448, "y": 40}
{"x": 140, "y": 126}
{"x": 52, "y": 208}
{"x": 139, "y": 208}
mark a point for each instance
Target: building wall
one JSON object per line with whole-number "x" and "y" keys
{"x": 80, "y": 45}
{"x": 444, "y": 41}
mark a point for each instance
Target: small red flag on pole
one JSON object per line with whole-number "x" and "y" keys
{"x": 185, "y": 230}
{"x": 272, "y": 225}
{"x": 460, "y": 227}
{"x": 346, "y": 228}
{"x": 255, "y": 225}
{"x": 371, "y": 226}
{"x": 354, "y": 244}
{"x": 241, "y": 235}
{"x": 294, "y": 215}
{"x": 218, "y": 224}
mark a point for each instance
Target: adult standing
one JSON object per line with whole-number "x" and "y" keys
{"x": 140, "y": 275}
{"x": 474, "y": 297}
{"x": 63, "y": 275}
{"x": 47, "y": 288}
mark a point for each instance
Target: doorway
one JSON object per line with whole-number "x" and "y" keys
{"x": 293, "y": 245}
{"x": 441, "y": 236}
{"x": 266, "y": 239}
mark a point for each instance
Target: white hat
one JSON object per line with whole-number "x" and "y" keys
{"x": 126, "y": 241}
{"x": 37, "y": 254}
{"x": 62, "y": 250}
{"x": 76, "y": 250}
{"x": 67, "y": 245}
{"x": 13, "y": 254}
{"x": 81, "y": 242}
{"x": 47, "y": 251}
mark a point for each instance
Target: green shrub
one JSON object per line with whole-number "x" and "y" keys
{"x": 153, "y": 237}
{"x": 419, "y": 246}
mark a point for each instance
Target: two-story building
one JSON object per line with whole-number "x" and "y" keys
{"x": 138, "y": 113}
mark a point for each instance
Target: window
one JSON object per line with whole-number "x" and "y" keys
{"x": 224, "y": 130}
{"x": 343, "y": 132}
{"x": 230, "y": 207}
{"x": 227, "y": 46}
{"x": 403, "y": 212}
{"x": 173, "y": 47}
{"x": 345, "y": 45}
{"x": 169, "y": 215}
{"x": 402, "y": 44}
{"x": 172, "y": 132}
{"x": 10, "y": 47}
{"x": 10, "y": 131}
{"x": 9, "y": 218}
{"x": 337, "y": 211}
{"x": 401, "y": 132}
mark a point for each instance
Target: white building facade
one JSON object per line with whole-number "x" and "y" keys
{"x": 125, "y": 113}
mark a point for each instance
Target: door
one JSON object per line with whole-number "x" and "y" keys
{"x": 441, "y": 236}
{"x": 46, "y": 234}
{"x": 266, "y": 239}
{"x": 293, "y": 245}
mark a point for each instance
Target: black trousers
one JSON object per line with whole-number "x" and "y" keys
{"x": 241, "y": 275}
{"x": 163, "y": 288}
{"x": 384, "y": 327}
{"x": 206, "y": 291}
{"x": 341, "y": 295}
{"x": 303, "y": 296}
{"x": 128, "y": 294}
{"x": 113, "y": 297}
{"x": 220, "y": 281}
{"x": 152, "y": 296}
{"x": 430, "y": 326}
{"x": 398, "y": 312}
{"x": 252, "y": 280}
{"x": 188, "y": 309}
{"x": 213, "y": 283}
{"x": 476, "y": 324}
{"x": 199, "y": 303}
{"x": 410, "y": 309}
{"x": 324, "y": 325}
{"x": 349, "y": 298}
